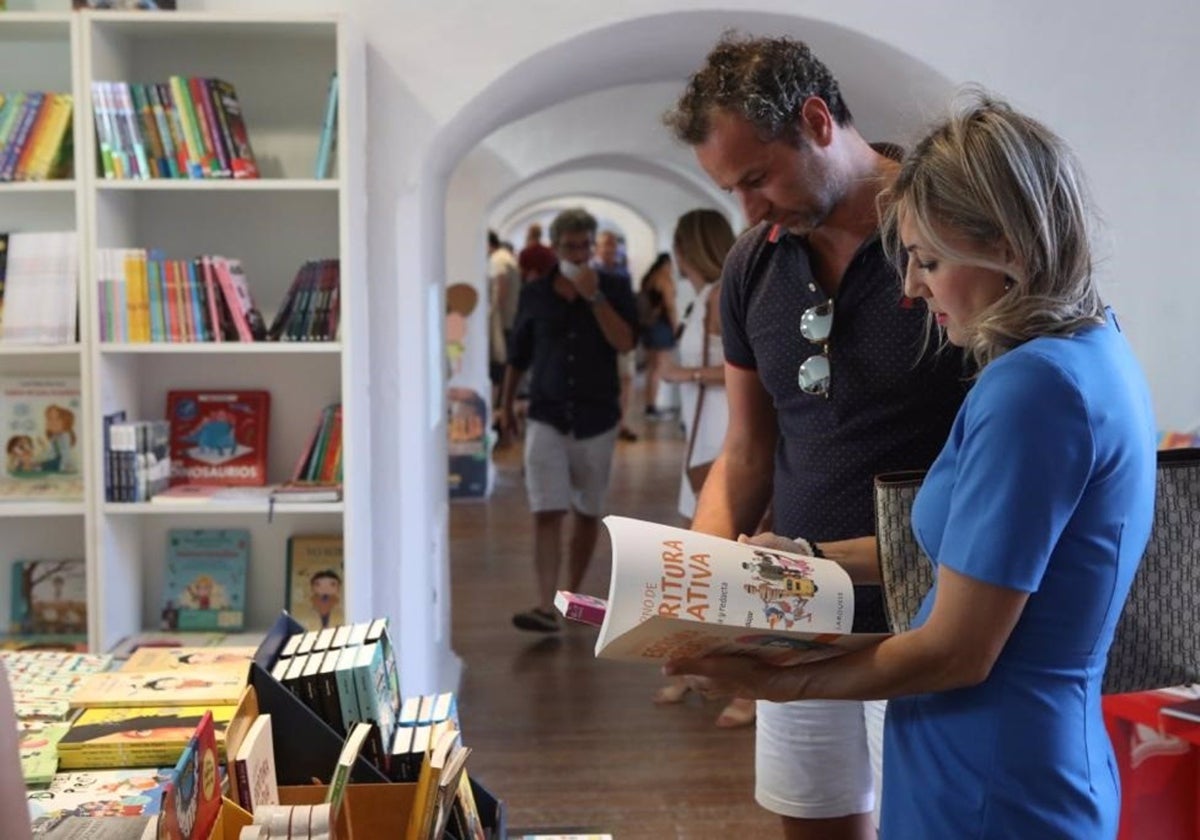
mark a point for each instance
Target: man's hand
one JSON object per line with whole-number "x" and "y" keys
{"x": 587, "y": 282}
{"x": 507, "y": 419}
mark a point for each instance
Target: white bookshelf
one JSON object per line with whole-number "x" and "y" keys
{"x": 38, "y": 52}
{"x": 280, "y": 67}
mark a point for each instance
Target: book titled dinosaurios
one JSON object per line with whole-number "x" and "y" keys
{"x": 219, "y": 437}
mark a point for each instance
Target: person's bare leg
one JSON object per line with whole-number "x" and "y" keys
{"x": 547, "y": 554}
{"x": 853, "y": 827}
{"x": 583, "y": 545}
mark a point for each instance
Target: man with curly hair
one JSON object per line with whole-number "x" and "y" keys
{"x": 825, "y": 375}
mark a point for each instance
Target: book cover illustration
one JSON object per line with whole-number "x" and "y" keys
{"x": 39, "y": 756}
{"x": 466, "y": 428}
{"x": 205, "y": 587}
{"x": 315, "y": 571}
{"x": 48, "y": 597}
{"x": 144, "y": 736}
{"x": 160, "y": 688}
{"x": 39, "y": 424}
{"x": 192, "y": 798}
{"x": 101, "y": 793}
{"x": 676, "y": 593}
{"x": 189, "y": 659}
{"x": 219, "y": 437}
{"x": 255, "y": 766}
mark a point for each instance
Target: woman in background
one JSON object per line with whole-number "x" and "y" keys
{"x": 701, "y": 242}
{"x": 658, "y": 320}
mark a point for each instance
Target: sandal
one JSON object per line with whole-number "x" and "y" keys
{"x": 737, "y": 713}
{"x": 672, "y": 692}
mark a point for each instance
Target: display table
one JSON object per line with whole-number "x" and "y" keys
{"x": 1158, "y": 757}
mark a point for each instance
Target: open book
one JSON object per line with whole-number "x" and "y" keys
{"x": 676, "y": 593}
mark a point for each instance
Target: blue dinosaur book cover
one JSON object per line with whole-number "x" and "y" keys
{"x": 206, "y": 579}
{"x": 219, "y": 437}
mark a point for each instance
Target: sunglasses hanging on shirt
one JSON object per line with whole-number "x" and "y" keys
{"x": 816, "y": 325}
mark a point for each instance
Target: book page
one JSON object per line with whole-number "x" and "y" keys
{"x": 675, "y": 593}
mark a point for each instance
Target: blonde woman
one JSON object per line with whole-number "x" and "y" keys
{"x": 701, "y": 242}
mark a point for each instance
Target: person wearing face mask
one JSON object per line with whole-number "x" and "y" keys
{"x": 570, "y": 325}
{"x": 1035, "y": 514}
{"x": 824, "y": 376}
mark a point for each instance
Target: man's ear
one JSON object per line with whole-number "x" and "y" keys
{"x": 816, "y": 123}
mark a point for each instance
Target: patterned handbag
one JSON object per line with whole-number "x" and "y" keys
{"x": 1157, "y": 640}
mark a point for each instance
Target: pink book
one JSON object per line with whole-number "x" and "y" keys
{"x": 210, "y": 293}
{"x": 230, "y": 292}
{"x": 586, "y": 609}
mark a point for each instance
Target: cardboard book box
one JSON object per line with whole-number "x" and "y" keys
{"x": 374, "y": 808}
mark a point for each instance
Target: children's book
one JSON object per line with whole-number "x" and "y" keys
{"x": 192, "y": 798}
{"x": 160, "y": 688}
{"x": 190, "y": 660}
{"x": 328, "y": 142}
{"x": 676, "y": 593}
{"x": 71, "y": 827}
{"x": 101, "y": 793}
{"x": 206, "y": 579}
{"x": 147, "y": 736}
{"x": 38, "y": 749}
{"x": 41, "y": 422}
{"x": 219, "y": 437}
{"x": 315, "y": 571}
{"x": 48, "y": 597}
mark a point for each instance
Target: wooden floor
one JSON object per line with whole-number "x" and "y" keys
{"x": 567, "y": 740}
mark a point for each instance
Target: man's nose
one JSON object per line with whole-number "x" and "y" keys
{"x": 754, "y": 206}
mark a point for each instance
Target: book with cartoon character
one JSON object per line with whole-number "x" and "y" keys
{"x": 221, "y": 687}
{"x": 48, "y": 597}
{"x": 192, "y": 798}
{"x": 206, "y": 579}
{"x": 137, "y": 736}
{"x": 41, "y": 428}
{"x": 676, "y": 593}
{"x": 219, "y": 437}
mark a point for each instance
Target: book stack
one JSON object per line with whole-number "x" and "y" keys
{"x": 309, "y": 311}
{"x": 317, "y": 476}
{"x": 42, "y": 683}
{"x": 419, "y": 724}
{"x": 39, "y": 279}
{"x": 145, "y": 297}
{"x": 186, "y": 127}
{"x": 137, "y": 462}
{"x": 35, "y": 136}
{"x": 346, "y": 675}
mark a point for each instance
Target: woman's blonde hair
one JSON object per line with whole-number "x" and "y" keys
{"x": 703, "y": 239}
{"x": 1004, "y": 183}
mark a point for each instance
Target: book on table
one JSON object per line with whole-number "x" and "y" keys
{"x": 676, "y": 593}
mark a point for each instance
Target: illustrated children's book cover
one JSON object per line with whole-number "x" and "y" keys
{"x": 101, "y": 793}
{"x": 192, "y": 798}
{"x": 40, "y": 424}
{"x": 141, "y": 736}
{"x": 48, "y": 597}
{"x": 219, "y": 437}
{"x": 160, "y": 688}
{"x": 189, "y": 659}
{"x": 315, "y": 571}
{"x": 206, "y": 579}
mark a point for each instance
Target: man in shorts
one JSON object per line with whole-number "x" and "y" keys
{"x": 827, "y": 380}
{"x": 571, "y": 323}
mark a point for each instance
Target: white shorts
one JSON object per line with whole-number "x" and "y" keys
{"x": 563, "y": 472}
{"x": 819, "y": 759}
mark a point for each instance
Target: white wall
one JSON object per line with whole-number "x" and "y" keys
{"x": 1116, "y": 79}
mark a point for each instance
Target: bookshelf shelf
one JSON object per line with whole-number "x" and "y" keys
{"x": 58, "y": 186}
{"x": 10, "y": 510}
{"x": 255, "y": 508}
{"x": 249, "y": 348}
{"x": 32, "y": 25}
{"x": 40, "y": 349}
{"x": 222, "y": 185}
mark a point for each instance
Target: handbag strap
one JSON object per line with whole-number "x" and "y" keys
{"x": 687, "y": 461}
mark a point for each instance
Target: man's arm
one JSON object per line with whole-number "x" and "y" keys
{"x": 617, "y": 331}
{"x": 738, "y": 488}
